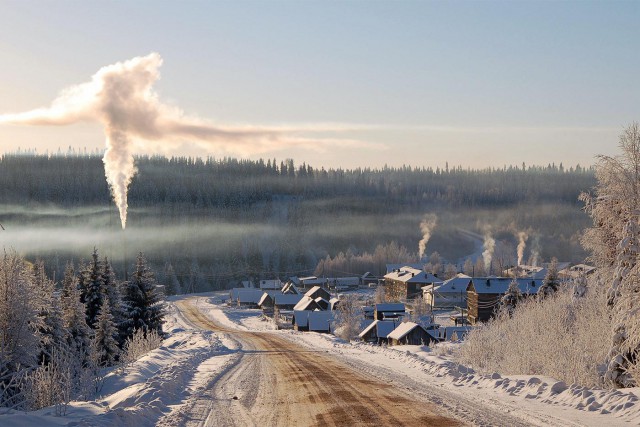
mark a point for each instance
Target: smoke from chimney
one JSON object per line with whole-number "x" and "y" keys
{"x": 488, "y": 246}
{"x": 522, "y": 244}
{"x": 121, "y": 97}
{"x": 427, "y": 225}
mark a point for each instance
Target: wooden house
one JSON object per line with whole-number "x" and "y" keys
{"x": 306, "y": 304}
{"x": 312, "y": 321}
{"x": 407, "y": 283}
{"x": 249, "y": 298}
{"x": 448, "y": 294}
{"x": 317, "y": 291}
{"x": 485, "y": 293}
{"x": 409, "y": 333}
{"x": 286, "y": 301}
{"x": 378, "y": 331}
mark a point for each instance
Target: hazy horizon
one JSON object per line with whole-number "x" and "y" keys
{"x": 344, "y": 84}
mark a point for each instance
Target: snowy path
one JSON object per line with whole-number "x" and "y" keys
{"x": 278, "y": 382}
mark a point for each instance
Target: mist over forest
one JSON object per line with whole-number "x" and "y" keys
{"x": 219, "y": 220}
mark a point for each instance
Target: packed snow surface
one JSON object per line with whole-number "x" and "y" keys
{"x": 156, "y": 389}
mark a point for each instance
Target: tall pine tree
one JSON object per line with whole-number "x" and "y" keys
{"x": 143, "y": 303}
{"x": 92, "y": 286}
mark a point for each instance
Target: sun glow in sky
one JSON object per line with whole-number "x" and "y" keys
{"x": 417, "y": 83}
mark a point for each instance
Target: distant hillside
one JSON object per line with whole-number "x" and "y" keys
{"x": 229, "y": 218}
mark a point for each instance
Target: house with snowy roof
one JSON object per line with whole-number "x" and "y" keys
{"x": 407, "y": 282}
{"x": 249, "y": 298}
{"x": 409, "y": 333}
{"x": 392, "y": 267}
{"x": 386, "y": 311}
{"x": 312, "y": 321}
{"x": 378, "y": 331}
{"x": 318, "y": 291}
{"x": 448, "y": 294}
{"x": 309, "y": 282}
{"x": 485, "y": 293}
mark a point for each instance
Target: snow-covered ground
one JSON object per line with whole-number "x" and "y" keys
{"x": 156, "y": 389}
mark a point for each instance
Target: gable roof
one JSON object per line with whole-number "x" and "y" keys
{"x": 306, "y": 303}
{"x": 249, "y": 295}
{"x": 458, "y": 283}
{"x": 287, "y": 299}
{"x": 314, "y": 320}
{"x": 391, "y": 267}
{"x": 408, "y": 274}
{"x": 403, "y": 329}
{"x": 499, "y": 285}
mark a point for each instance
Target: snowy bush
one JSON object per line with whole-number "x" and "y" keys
{"x": 51, "y": 384}
{"x": 560, "y": 336}
{"x": 139, "y": 345}
{"x": 348, "y": 319}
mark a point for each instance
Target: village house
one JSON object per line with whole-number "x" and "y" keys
{"x": 576, "y": 271}
{"x": 312, "y": 321}
{"x": 407, "y": 283}
{"x": 274, "y": 284}
{"x": 485, "y": 293}
{"x": 343, "y": 283}
{"x": 448, "y": 294}
{"x": 377, "y": 332}
{"x": 318, "y": 291}
{"x": 286, "y": 301}
{"x": 393, "y": 267}
{"x": 409, "y": 333}
{"x": 249, "y": 298}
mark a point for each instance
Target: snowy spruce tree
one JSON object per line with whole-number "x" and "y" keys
{"x": 510, "y": 299}
{"x": 105, "y": 342}
{"x": 142, "y": 302}
{"x": 551, "y": 281}
{"x": 74, "y": 313}
{"x": 92, "y": 288}
{"x": 52, "y": 333}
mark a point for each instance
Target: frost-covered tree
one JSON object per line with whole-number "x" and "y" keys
{"x": 613, "y": 242}
{"x": 510, "y": 299}
{"x": 551, "y": 281}
{"x": 348, "y": 317}
{"x": 51, "y": 332}
{"x": 379, "y": 297}
{"x": 421, "y": 312}
{"x": 105, "y": 341}
{"x": 467, "y": 268}
{"x": 74, "y": 313}
{"x": 19, "y": 322}
{"x": 450, "y": 271}
{"x": 92, "y": 287}
{"x": 143, "y": 304}
{"x": 112, "y": 292}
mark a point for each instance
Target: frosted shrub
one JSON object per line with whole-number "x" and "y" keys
{"x": 51, "y": 384}
{"x": 348, "y": 318}
{"x": 139, "y": 345}
{"x": 561, "y": 336}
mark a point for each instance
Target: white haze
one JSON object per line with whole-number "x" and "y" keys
{"x": 427, "y": 225}
{"x": 122, "y": 98}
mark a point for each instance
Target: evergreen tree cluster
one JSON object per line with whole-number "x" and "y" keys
{"x": 87, "y": 321}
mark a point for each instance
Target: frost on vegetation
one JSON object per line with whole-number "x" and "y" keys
{"x": 560, "y": 336}
{"x": 349, "y": 318}
{"x": 139, "y": 345}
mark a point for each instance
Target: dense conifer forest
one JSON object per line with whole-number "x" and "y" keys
{"x": 210, "y": 221}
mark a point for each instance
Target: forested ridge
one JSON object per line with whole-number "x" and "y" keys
{"x": 216, "y": 220}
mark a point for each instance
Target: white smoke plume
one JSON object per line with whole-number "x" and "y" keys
{"x": 121, "y": 97}
{"x": 535, "y": 252}
{"x": 427, "y": 225}
{"x": 522, "y": 244}
{"x": 488, "y": 246}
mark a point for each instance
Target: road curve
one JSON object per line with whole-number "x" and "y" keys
{"x": 276, "y": 382}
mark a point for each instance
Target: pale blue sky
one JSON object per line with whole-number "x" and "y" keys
{"x": 472, "y": 83}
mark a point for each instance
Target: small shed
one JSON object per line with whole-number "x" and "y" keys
{"x": 410, "y": 333}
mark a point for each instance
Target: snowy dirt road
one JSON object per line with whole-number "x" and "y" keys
{"x": 276, "y": 382}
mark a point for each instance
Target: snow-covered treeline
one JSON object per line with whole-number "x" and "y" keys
{"x": 56, "y": 340}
